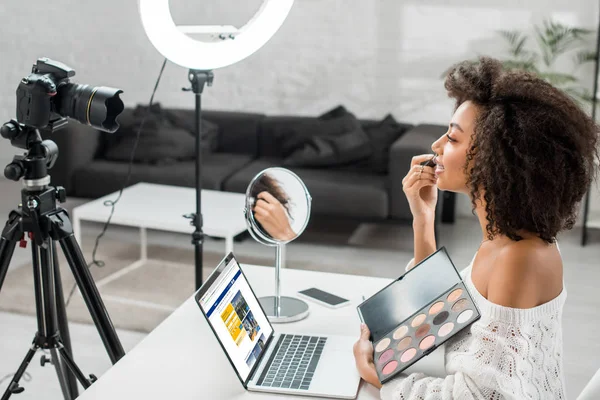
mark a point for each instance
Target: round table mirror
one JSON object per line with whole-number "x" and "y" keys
{"x": 277, "y": 212}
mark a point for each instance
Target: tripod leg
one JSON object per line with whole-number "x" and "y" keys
{"x": 7, "y": 249}
{"x": 63, "y": 232}
{"x": 10, "y": 234}
{"x": 13, "y": 386}
{"x": 66, "y": 358}
{"x": 45, "y": 290}
{"x": 60, "y": 372}
{"x": 63, "y": 324}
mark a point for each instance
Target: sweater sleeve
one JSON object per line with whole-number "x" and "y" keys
{"x": 418, "y": 386}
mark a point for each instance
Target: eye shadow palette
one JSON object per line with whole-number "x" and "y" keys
{"x": 416, "y": 313}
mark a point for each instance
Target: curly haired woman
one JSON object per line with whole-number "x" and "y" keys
{"x": 524, "y": 152}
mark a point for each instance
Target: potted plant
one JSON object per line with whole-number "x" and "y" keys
{"x": 554, "y": 42}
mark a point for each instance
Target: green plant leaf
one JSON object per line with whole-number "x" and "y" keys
{"x": 510, "y": 36}
{"x": 516, "y": 41}
{"x": 543, "y": 45}
{"x": 555, "y": 39}
{"x": 584, "y": 56}
{"x": 580, "y": 33}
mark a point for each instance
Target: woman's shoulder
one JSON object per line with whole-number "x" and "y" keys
{"x": 525, "y": 274}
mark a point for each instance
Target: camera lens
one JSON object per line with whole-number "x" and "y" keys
{"x": 97, "y": 106}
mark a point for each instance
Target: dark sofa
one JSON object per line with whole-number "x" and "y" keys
{"x": 246, "y": 144}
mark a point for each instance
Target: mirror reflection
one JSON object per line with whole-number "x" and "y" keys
{"x": 278, "y": 205}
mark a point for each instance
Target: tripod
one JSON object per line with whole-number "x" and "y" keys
{"x": 46, "y": 224}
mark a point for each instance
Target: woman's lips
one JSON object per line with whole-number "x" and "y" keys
{"x": 439, "y": 169}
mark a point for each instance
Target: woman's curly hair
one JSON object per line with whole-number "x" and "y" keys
{"x": 532, "y": 151}
{"x": 267, "y": 183}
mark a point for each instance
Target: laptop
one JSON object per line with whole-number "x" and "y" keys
{"x": 266, "y": 361}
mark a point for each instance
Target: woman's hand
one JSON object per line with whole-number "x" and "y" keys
{"x": 271, "y": 214}
{"x": 363, "y": 355}
{"x": 420, "y": 188}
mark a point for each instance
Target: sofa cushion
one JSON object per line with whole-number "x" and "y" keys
{"x": 334, "y": 192}
{"x": 331, "y": 148}
{"x": 281, "y": 135}
{"x": 210, "y": 131}
{"x": 102, "y": 177}
{"x": 238, "y": 131}
{"x": 381, "y": 135}
{"x": 165, "y": 137}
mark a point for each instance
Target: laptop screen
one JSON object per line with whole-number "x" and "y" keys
{"x": 235, "y": 315}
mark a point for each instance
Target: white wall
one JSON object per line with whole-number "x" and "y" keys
{"x": 374, "y": 57}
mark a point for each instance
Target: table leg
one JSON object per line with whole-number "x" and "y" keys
{"x": 228, "y": 244}
{"x": 135, "y": 265}
{"x": 143, "y": 244}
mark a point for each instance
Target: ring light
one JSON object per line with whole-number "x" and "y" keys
{"x": 234, "y": 45}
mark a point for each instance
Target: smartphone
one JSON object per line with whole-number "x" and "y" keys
{"x": 324, "y": 298}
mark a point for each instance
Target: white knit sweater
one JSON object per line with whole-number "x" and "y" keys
{"x": 508, "y": 353}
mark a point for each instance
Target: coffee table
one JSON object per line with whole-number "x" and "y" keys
{"x": 161, "y": 207}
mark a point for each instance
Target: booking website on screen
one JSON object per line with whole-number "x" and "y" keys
{"x": 235, "y": 315}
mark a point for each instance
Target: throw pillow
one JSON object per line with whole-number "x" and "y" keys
{"x": 382, "y": 136}
{"x": 160, "y": 142}
{"x": 186, "y": 119}
{"x": 297, "y": 135}
{"x": 335, "y": 112}
{"x": 332, "y": 141}
{"x": 323, "y": 151}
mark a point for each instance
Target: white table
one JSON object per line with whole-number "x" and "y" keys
{"x": 161, "y": 207}
{"x": 181, "y": 359}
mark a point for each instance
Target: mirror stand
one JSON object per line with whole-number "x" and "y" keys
{"x": 279, "y": 308}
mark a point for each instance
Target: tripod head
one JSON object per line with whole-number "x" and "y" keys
{"x": 40, "y": 156}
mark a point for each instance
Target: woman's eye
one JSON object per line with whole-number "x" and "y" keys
{"x": 450, "y": 139}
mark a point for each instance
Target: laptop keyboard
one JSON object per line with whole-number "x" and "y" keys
{"x": 293, "y": 362}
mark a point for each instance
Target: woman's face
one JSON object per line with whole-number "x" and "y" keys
{"x": 452, "y": 147}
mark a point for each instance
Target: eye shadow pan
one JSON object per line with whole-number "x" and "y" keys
{"x": 404, "y": 343}
{"x": 464, "y": 317}
{"x": 460, "y": 305}
{"x": 427, "y": 342}
{"x": 452, "y": 297}
{"x": 381, "y": 346}
{"x": 390, "y": 367}
{"x": 441, "y": 317}
{"x": 422, "y": 331}
{"x": 418, "y": 320}
{"x": 400, "y": 332}
{"x": 408, "y": 355}
{"x": 446, "y": 329}
{"x": 436, "y": 308}
{"x": 386, "y": 356}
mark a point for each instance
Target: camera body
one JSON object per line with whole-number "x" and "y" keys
{"x": 46, "y": 97}
{"x": 36, "y": 94}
